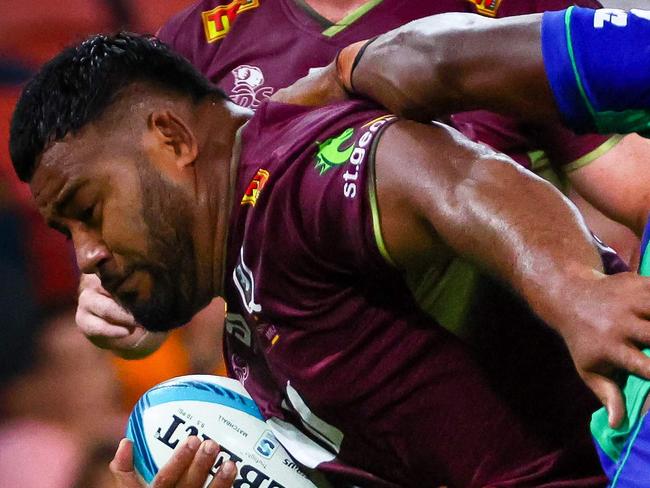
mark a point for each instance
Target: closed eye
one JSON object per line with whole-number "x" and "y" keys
{"x": 86, "y": 216}
{"x": 61, "y": 229}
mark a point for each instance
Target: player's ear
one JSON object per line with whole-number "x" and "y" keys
{"x": 173, "y": 136}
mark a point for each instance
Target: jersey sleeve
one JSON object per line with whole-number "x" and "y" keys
{"x": 338, "y": 195}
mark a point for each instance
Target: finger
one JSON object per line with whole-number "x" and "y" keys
{"x": 106, "y": 308}
{"x": 121, "y": 467}
{"x": 201, "y": 465}
{"x": 639, "y": 332}
{"x": 281, "y": 96}
{"x": 170, "y": 474}
{"x": 610, "y": 396}
{"x": 225, "y": 477}
{"x": 95, "y": 327}
{"x": 633, "y": 361}
{"x": 91, "y": 282}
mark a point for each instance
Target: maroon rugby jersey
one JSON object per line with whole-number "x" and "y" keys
{"x": 251, "y": 48}
{"x": 327, "y": 338}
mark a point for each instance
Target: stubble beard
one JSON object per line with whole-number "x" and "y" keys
{"x": 171, "y": 257}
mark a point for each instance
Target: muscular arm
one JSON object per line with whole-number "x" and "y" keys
{"x": 481, "y": 205}
{"x": 440, "y": 65}
{"x": 455, "y": 62}
{"x": 463, "y": 197}
{"x": 587, "y": 67}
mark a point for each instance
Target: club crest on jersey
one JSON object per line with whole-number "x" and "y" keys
{"x": 486, "y": 7}
{"x": 249, "y": 90}
{"x": 218, "y": 21}
{"x": 255, "y": 187}
{"x": 335, "y": 151}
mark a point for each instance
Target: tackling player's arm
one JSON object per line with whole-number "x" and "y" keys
{"x": 438, "y": 191}
{"x": 440, "y": 65}
{"x": 587, "y": 67}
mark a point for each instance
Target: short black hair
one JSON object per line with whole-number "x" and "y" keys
{"x": 81, "y": 82}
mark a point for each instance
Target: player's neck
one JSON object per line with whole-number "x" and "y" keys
{"x": 215, "y": 189}
{"x": 334, "y": 10}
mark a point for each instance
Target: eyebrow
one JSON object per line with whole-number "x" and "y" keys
{"x": 66, "y": 194}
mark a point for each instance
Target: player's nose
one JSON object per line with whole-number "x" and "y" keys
{"x": 90, "y": 249}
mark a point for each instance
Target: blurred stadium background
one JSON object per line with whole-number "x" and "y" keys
{"x": 64, "y": 403}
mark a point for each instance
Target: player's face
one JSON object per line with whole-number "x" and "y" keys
{"x": 129, "y": 224}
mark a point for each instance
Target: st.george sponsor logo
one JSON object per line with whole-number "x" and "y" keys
{"x": 358, "y": 154}
{"x": 346, "y": 148}
{"x": 218, "y": 21}
{"x": 335, "y": 151}
{"x": 488, "y": 8}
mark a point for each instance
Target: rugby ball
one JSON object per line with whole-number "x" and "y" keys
{"x": 210, "y": 407}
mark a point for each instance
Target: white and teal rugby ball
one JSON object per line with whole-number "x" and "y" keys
{"x": 210, "y": 407}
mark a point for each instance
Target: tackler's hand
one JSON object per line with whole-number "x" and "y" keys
{"x": 107, "y": 325}
{"x": 605, "y": 323}
{"x": 321, "y": 86}
{"x": 327, "y": 85}
{"x": 188, "y": 467}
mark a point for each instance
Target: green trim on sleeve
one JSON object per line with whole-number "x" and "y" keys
{"x": 352, "y": 17}
{"x": 376, "y": 224}
{"x": 541, "y": 165}
{"x": 623, "y": 122}
{"x": 374, "y": 206}
{"x": 581, "y": 88}
{"x": 593, "y": 155}
{"x": 610, "y": 440}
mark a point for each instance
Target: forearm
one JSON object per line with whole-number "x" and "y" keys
{"x": 586, "y": 67}
{"x": 455, "y": 62}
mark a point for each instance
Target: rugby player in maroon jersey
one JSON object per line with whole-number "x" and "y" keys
{"x": 223, "y": 39}
{"x": 251, "y": 49}
{"x": 318, "y": 259}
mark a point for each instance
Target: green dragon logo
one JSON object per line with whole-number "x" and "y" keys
{"x": 331, "y": 154}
